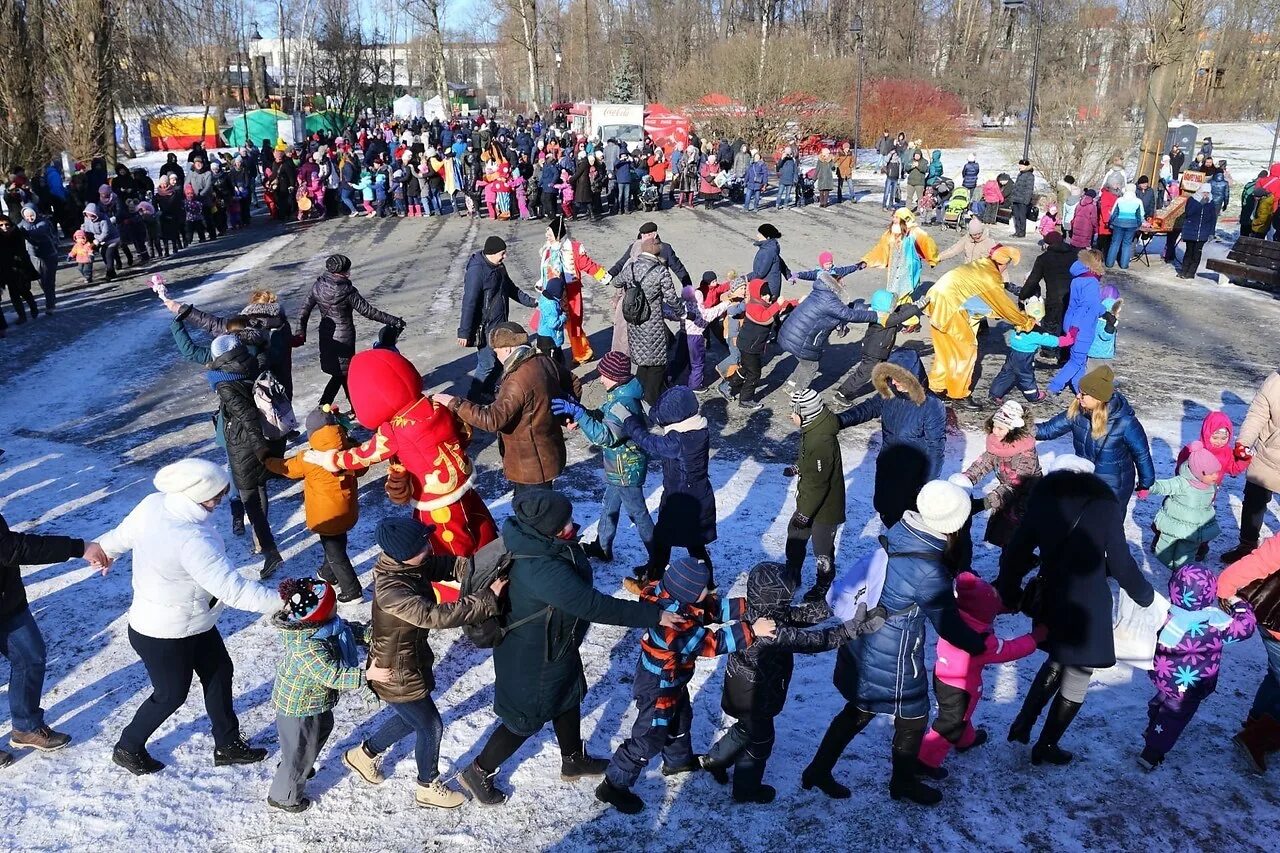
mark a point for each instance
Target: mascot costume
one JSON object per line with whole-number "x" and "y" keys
{"x": 565, "y": 259}
{"x": 428, "y": 448}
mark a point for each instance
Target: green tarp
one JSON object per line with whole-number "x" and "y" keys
{"x": 327, "y": 122}
{"x": 262, "y": 124}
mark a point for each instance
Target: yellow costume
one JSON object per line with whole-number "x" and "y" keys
{"x": 902, "y": 251}
{"x": 955, "y": 345}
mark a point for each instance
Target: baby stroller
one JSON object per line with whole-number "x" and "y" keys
{"x": 650, "y": 198}
{"x": 956, "y": 212}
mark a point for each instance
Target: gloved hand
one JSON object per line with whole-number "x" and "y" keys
{"x": 1142, "y": 493}
{"x": 1242, "y": 453}
{"x": 801, "y": 521}
{"x": 326, "y": 459}
{"x": 570, "y": 408}
{"x": 399, "y": 324}
{"x": 1069, "y": 339}
{"x": 860, "y": 266}
{"x": 865, "y": 621}
{"x": 790, "y": 471}
{"x": 298, "y": 340}
{"x": 607, "y": 279}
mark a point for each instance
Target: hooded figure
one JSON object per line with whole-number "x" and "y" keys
{"x": 902, "y": 251}
{"x": 1084, "y": 307}
{"x": 1216, "y": 436}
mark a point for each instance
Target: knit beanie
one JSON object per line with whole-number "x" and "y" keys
{"x": 1203, "y": 463}
{"x": 616, "y": 367}
{"x": 1053, "y": 238}
{"x": 1010, "y": 415}
{"x": 494, "y": 244}
{"x": 826, "y": 259}
{"x": 709, "y": 277}
{"x": 222, "y": 345}
{"x": 508, "y": 334}
{"x": 807, "y": 404}
{"x": 686, "y": 579}
{"x": 340, "y": 264}
{"x": 554, "y": 288}
{"x": 1099, "y": 383}
{"x": 882, "y": 301}
{"x": 944, "y": 506}
{"x": 320, "y": 418}
{"x": 309, "y": 600}
{"x": 977, "y": 598}
{"x": 403, "y": 538}
{"x": 197, "y": 479}
{"x": 544, "y": 511}
{"x": 976, "y": 226}
{"x": 768, "y": 232}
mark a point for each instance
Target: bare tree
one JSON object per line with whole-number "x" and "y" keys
{"x": 430, "y": 14}
{"x": 1172, "y": 26}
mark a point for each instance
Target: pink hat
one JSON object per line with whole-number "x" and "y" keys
{"x": 826, "y": 259}
{"x": 977, "y": 599}
{"x": 1203, "y": 463}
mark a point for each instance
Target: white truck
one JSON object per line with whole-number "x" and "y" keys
{"x": 624, "y": 122}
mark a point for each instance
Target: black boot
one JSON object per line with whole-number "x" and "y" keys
{"x": 620, "y": 798}
{"x": 1043, "y": 688}
{"x": 237, "y": 517}
{"x": 1061, "y": 713}
{"x": 237, "y": 752}
{"x": 271, "y": 561}
{"x": 580, "y": 764}
{"x": 842, "y": 730}
{"x": 138, "y": 763}
{"x": 904, "y": 784}
{"x": 480, "y": 785}
{"x": 826, "y": 575}
{"x": 748, "y": 780}
{"x": 1239, "y": 552}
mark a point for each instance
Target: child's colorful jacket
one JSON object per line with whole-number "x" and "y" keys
{"x": 1189, "y": 647}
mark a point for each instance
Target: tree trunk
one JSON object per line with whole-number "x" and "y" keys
{"x": 435, "y": 47}
{"x": 528, "y": 10}
{"x": 1172, "y": 40}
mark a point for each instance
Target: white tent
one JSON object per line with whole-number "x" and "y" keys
{"x": 407, "y": 106}
{"x": 434, "y": 108}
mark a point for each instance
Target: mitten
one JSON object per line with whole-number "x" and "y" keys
{"x": 561, "y": 406}
{"x": 865, "y": 621}
{"x": 790, "y": 471}
{"x": 1242, "y": 453}
{"x": 399, "y": 487}
{"x": 1142, "y": 493}
{"x": 801, "y": 521}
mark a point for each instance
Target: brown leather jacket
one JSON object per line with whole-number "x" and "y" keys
{"x": 532, "y": 442}
{"x": 404, "y": 611}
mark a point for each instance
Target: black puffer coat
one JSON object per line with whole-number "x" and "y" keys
{"x": 15, "y": 264}
{"x": 757, "y": 678}
{"x": 337, "y": 298}
{"x": 232, "y": 375}
{"x": 268, "y": 334}
{"x": 1053, "y": 267}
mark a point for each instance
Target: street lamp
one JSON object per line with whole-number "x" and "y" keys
{"x": 855, "y": 31}
{"x": 559, "y": 59}
{"x": 1014, "y": 5}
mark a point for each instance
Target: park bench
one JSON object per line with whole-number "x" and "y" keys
{"x": 1251, "y": 263}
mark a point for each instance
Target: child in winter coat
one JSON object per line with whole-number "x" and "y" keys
{"x": 666, "y": 664}
{"x": 565, "y": 188}
{"x": 957, "y": 675}
{"x": 366, "y": 193}
{"x": 380, "y": 194}
{"x": 518, "y": 184}
{"x": 877, "y": 343}
{"x": 1011, "y": 454}
{"x": 1048, "y": 223}
{"x": 398, "y": 196}
{"x": 1188, "y": 656}
{"x": 1216, "y": 434}
{"x": 698, "y": 315}
{"x": 1187, "y": 518}
{"x": 82, "y": 255}
{"x": 501, "y": 184}
{"x": 151, "y": 224}
{"x": 819, "y": 493}
{"x": 320, "y": 659}
{"x": 753, "y": 337}
{"x": 1104, "y": 338}
{"x": 412, "y": 191}
{"x": 331, "y": 500}
{"x": 1019, "y": 365}
{"x": 551, "y": 319}
{"x": 757, "y": 678}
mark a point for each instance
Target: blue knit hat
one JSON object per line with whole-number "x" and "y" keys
{"x": 686, "y": 579}
{"x": 882, "y": 301}
{"x": 222, "y": 345}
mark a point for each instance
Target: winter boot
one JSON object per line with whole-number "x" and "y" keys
{"x": 1150, "y": 759}
{"x": 748, "y": 780}
{"x": 930, "y": 772}
{"x": 480, "y": 785}
{"x": 1043, "y": 688}
{"x": 364, "y": 763}
{"x": 718, "y": 770}
{"x": 436, "y": 795}
{"x": 979, "y": 738}
{"x": 271, "y": 561}
{"x": 1259, "y": 736}
{"x": 300, "y": 806}
{"x": 580, "y": 764}
{"x": 694, "y": 764}
{"x": 348, "y": 595}
{"x": 1239, "y": 552}
{"x": 237, "y": 517}
{"x": 904, "y": 784}
{"x": 237, "y": 752}
{"x": 620, "y": 798}
{"x": 138, "y": 763}
{"x": 1061, "y": 713}
{"x": 41, "y": 738}
{"x": 5, "y": 758}
{"x": 826, "y": 575}
{"x": 325, "y": 573}
{"x": 594, "y": 551}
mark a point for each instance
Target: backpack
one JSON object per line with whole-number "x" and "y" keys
{"x": 275, "y": 411}
{"x": 635, "y": 305}
{"x": 491, "y": 562}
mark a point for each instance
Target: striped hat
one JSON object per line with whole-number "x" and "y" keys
{"x": 807, "y": 404}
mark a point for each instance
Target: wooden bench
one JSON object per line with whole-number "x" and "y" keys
{"x": 1251, "y": 263}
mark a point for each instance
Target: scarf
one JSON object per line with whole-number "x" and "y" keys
{"x": 343, "y": 639}
{"x": 217, "y": 377}
{"x": 1182, "y": 622}
{"x": 692, "y": 424}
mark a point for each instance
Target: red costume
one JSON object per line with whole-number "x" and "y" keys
{"x": 567, "y": 260}
{"x": 427, "y": 439}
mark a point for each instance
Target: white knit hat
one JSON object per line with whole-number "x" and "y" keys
{"x": 944, "y": 506}
{"x": 1071, "y": 462}
{"x": 1010, "y": 415}
{"x": 197, "y": 479}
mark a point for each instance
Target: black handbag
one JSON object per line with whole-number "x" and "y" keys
{"x": 1263, "y": 596}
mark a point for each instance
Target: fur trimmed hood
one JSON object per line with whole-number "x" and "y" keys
{"x": 904, "y": 368}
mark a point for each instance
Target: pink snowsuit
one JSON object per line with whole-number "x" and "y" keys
{"x": 979, "y": 605}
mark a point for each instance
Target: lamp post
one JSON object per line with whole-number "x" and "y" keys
{"x": 559, "y": 60}
{"x": 1035, "y": 68}
{"x": 1275, "y": 136}
{"x": 855, "y": 31}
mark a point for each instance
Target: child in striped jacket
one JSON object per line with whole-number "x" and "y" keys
{"x": 667, "y": 660}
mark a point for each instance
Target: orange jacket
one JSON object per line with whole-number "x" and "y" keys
{"x": 1263, "y": 562}
{"x": 330, "y": 499}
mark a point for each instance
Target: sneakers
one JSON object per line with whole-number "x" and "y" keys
{"x": 726, "y": 390}
{"x": 480, "y": 785}
{"x": 436, "y": 795}
{"x": 593, "y": 550}
{"x": 271, "y": 561}
{"x": 364, "y": 763}
{"x": 237, "y": 752}
{"x": 348, "y": 596}
{"x": 580, "y": 764}
{"x": 841, "y": 400}
{"x": 620, "y": 798}
{"x": 300, "y": 806}
{"x": 748, "y": 406}
{"x": 138, "y": 763}
{"x": 42, "y": 738}
{"x": 1039, "y": 397}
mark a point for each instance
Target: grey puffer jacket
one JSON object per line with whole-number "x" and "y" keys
{"x": 648, "y": 340}
{"x": 337, "y": 298}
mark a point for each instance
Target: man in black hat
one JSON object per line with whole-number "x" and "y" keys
{"x": 665, "y": 252}
{"x": 486, "y": 296}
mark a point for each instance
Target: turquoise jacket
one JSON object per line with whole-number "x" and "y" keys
{"x": 551, "y": 319}
{"x": 1031, "y": 341}
{"x": 1104, "y": 340}
{"x": 624, "y": 463}
{"x": 1187, "y": 512}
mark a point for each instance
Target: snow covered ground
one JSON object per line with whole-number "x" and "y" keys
{"x": 92, "y": 412}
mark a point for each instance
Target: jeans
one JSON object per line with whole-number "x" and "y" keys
{"x": 751, "y": 201}
{"x": 485, "y": 378}
{"x": 731, "y": 324}
{"x": 1018, "y": 372}
{"x": 347, "y": 199}
{"x": 806, "y": 371}
{"x": 1191, "y": 257}
{"x": 616, "y": 498}
{"x": 171, "y": 664}
{"x": 890, "y": 198}
{"x": 1121, "y": 247}
{"x": 786, "y": 195}
{"x": 624, "y": 198}
{"x": 22, "y": 644}
{"x": 1267, "y": 700}
{"x": 421, "y": 718}
{"x": 301, "y": 739}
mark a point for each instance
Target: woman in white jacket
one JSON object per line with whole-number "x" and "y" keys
{"x": 182, "y": 580}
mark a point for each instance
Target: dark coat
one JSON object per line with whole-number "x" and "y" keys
{"x": 770, "y": 266}
{"x": 268, "y": 333}
{"x": 687, "y": 513}
{"x": 883, "y": 672}
{"x": 666, "y": 254}
{"x": 486, "y": 293}
{"x": 337, "y": 298}
{"x": 232, "y": 375}
{"x": 1077, "y": 525}
{"x": 757, "y": 678}
{"x": 969, "y": 175}
{"x": 1201, "y": 219}
{"x": 537, "y": 668}
{"x": 1122, "y": 449}
{"x": 648, "y": 341}
{"x": 805, "y": 332}
{"x": 27, "y": 549}
{"x": 15, "y": 263}
{"x": 1024, "y": 187}
{"x": 820, "y": 492}
{"x": 582, "y": 180}
{"x": 1053, "y": 268}
{"x": 787, "y": 171}
{"x": 879, "y": 340}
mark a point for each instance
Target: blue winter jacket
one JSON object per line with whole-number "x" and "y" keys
{"x": 687, "y": 514}
{"x": 1127, "y": 212}
{"x": 550, "y": 176}
{"x": 770, "y": 266}
{"x": 757, "y": 175}
{"x": 1201, "y": 219}
{"x": 969, "y": 176}
{"x": 624, "y": 463}
{"x": 917, "y": 418}
{"x": 1104, "y": 339}
{"x": 1030, "y": 341}
{"x": 883, "y": 672}
{"x": 1084, "y": 306}
{"x": 1115, "y": 456}
{"x": 622, "y": 172}
{"x": 1219, "y": 188}
{"x": 805, "y": 331}
{"x": 551, "y": 319}
{"x": 787, "y": 172}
